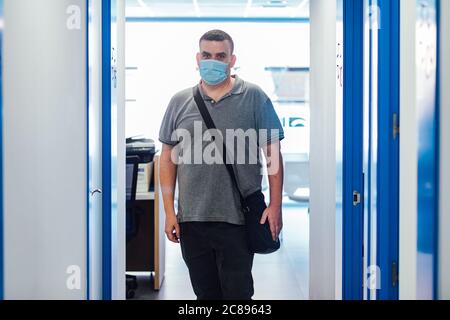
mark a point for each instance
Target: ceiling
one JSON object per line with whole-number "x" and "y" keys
{"x": 218, "y": 8}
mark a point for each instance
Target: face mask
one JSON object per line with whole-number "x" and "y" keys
{"x": 213, "y": 72}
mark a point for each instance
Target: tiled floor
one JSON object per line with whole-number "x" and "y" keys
{"x": 283, "y": 275}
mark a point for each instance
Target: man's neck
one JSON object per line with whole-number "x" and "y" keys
{"x": 219, "y": 90}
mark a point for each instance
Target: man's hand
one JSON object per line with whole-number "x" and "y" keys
{"x": 275, "y": 172}
{"x": 172, "y": 228}
{"x": 273, "y": 214}
{"x": 168, "y": 175}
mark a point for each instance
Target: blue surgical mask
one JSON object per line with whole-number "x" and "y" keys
{"x": 213, "y": 72}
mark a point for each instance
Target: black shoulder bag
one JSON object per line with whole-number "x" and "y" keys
{"x": 259, "y": 235}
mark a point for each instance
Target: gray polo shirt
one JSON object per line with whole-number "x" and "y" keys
{"x": 205, "y": 190}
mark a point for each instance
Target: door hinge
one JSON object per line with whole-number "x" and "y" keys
{"x": 356, "y": 198}
{"x": 394, "y": 274}
{"x": 395, "y": 126}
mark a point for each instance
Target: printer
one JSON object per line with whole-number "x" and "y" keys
{"x": 142, "y": 147}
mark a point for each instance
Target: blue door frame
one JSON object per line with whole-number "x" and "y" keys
{"x": 352, "y": 269}
{"x": 437, "y": 154}
{"x": 1, "y": 153}
{"x": 107, "y": 20}
{"x": 387, "y": 153}
{"x": 109, "y": 144}
{"x": 353, "y": 180}
{"x": 388, "y": 149}
{"x": 436, "y": 269}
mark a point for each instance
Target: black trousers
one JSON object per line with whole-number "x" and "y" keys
{"x": 218, "y": 259}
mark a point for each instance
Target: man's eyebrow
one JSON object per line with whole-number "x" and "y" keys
{"x": 217, "y": 54}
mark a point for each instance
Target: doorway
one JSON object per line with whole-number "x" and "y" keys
{"x": 267, "y": 57}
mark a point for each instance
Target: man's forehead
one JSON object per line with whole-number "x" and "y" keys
{"x": 215, "y": 46}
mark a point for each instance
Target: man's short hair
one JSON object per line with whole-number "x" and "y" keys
{"x": 217, "y": 35}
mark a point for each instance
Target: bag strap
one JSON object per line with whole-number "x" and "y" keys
{"x": 210, "y": 125}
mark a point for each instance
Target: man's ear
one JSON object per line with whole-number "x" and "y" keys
{"x": 233, "y": 61}
{"x": 198, "y": 57}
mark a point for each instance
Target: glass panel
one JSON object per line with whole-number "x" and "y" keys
{"x": 373, "y": 145}
{"x": 370, "y": 147}
{"x": 44, "y": 121}
{"x": 426, "y": 54}
{"x": 366, "y": 142}
{"x": 339, "y": 140}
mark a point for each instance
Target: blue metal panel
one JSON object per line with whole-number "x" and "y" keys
{"x": 394, "y": 148}
{"x": 113, "y": 143}
{"x": 388, "y": 148}
{"x": 427, "y": 148}
{"x": 438, "y": 135}
{"x": 353, "y": 146}
{"x": 369, "y": 157}
{"x": 1, "y": 153}
{"x": 106, "y": 152}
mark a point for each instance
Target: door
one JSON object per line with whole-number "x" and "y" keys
{"x": 381, "y": 152}
{"x": 113, "y": 149}
{"x": 371, "y": 145}
{"x": 353, "y": 179}
{"x": 45, "y": 177}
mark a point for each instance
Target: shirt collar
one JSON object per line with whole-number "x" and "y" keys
{"x": 238, "y": 88}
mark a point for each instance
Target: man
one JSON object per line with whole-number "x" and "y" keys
{"x": 209, "y": 223}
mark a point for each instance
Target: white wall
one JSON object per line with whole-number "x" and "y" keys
{"x": 408, "y": 153}
{"x": 45, "y": 177}
{"x": 176, "y": 69}
{"x": 323, "y": 149}
{"x": 444, "y": 205}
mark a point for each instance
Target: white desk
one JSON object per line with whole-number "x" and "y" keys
{"x": 158, "y": 223}
{"x": 145, "y": 196}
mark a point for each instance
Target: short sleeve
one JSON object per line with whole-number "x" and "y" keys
{"x": 268, "y": 124}
{"x": 167, "y": 134}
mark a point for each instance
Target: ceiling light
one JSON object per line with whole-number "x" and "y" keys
{"x": 275, "y": 4}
